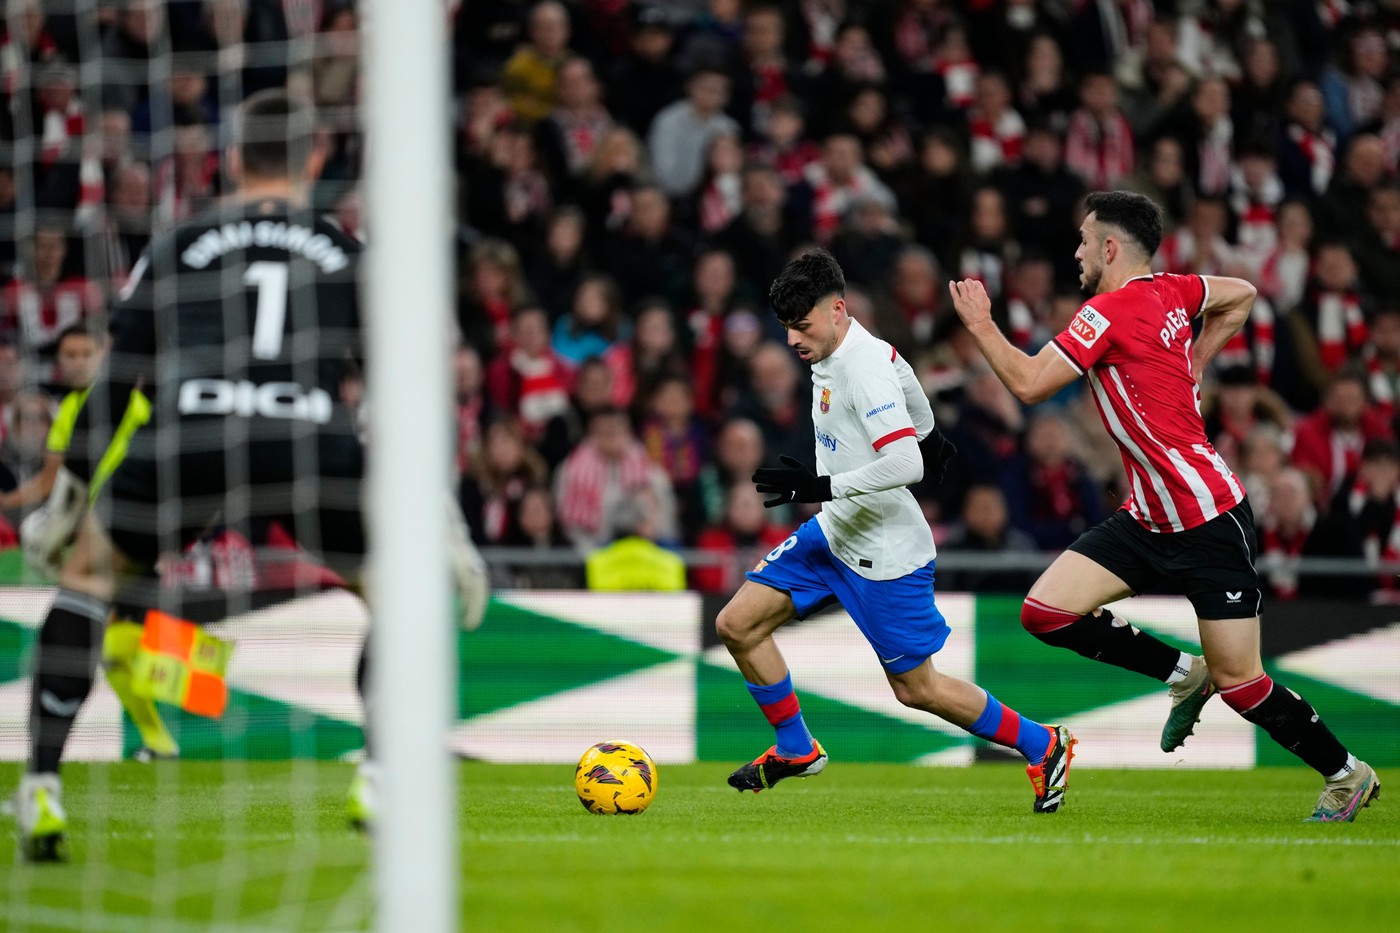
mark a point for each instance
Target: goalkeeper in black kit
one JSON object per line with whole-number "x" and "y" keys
{"x": 239, "y": 326}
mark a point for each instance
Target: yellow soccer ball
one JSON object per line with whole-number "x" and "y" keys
{"x": 615, "y": 777}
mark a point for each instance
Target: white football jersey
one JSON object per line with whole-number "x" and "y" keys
{"x": 865, "y": 396}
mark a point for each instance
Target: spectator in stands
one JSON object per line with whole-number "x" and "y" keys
{"x": 1207, "y": 136}
{"x": 743, "y": 335}
{"x": 1255, "y": 194}
{"x": 738, "y": 451}
{"x": 740, "y": 539}
{"x": 1236, "y": 406}
{"x": 677, "y": 441}
{"x": 1328, "y": 443}
{"x": 1283, "y": 273}
{"x": 783, "y": 142}
{"x": 648, "y": 256}
{"x": 1284, "y": 530}
{"x": 905, "y": 316}
{"x": 883, "y": 134}
{"x": 766, "y": 75}
{"x": 1199, "y": 246}
{"x": 778, "y": 402}
{"x": 26, "y": 438}
{"x": 646, "y": 79}
{"x": 594, "y": 322}
{"x": 1043, "y": 196}
{"x": 765, "y": 232}
{"x": 681, "y": 132}
{"x": 1046, "y": 96}
{"x": 936, "y": 193}
{"x": 989, "y": 251}
{"x": 491, "y": 493}
{"x": 634, "y": 561}
{"x": 1262, "y": 457}
{"x": 538, "y": 530}
{"x": 1257, "y": 101}
{"x": 713, "y": 285}
{"x": 1099, "y": 144}
{"x": 1049, "y": 493}
{"x": 615, "y": 173}
{"x": 1306, "y": 147}
{"x": 1354, "y": 90}
{"x": 44, "y": 298}
{"x": 557, "y": 270}
{"x": 568, "y": 138}
{"x": 1377, "y": 245}
{"x": 608, "y": 467}
{"x": 127, "y": 221}
{"x": 1029, "y": 299}
{"x": 1364, "y": 518}
{"x": 530, "y": 75}
{"x": 653, "y": 354}
{"x": 1381, "y": 357}
{"x": 719, "y": 198}
{"x": 12, "y": 380}
{"x": 473, "y": 408}
{"x": 1345, "y": 202}
{"x": 985, "y": 528}
{"x": 1163, "y": 179}
{"x": 1155, "y": 82}
{"x": 996, "y": 129}
{"x": 1329, "y": 328}
{"x": 531, "y": 381}
{"x": 868, "y": 242}
{"x": 494, "y": 289}
{"x": 838, "y": 182}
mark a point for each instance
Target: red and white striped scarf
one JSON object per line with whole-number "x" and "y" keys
{"x": 587, "y": 475}
{"x": 1284, "y": 277}
{"x": 544, "y": 389}
{"x": 995, "y": 142}
{"x": 1374, "y": 548}
{"x": 1099, "y": 152}
{"x": 59, "y": 128}
{"x": 1253, "y": 346}
{"x": 1216, "y": 153}
{"x": 1320, "y": 151}
{"x": 581, "y": 132}
{"x": 1382, "y": 380}
{"x": 720, "y": 202}
{"x": 1281, "y": 552}
{"x": 959, "y": 81}
{"x": 1341, "y": 327}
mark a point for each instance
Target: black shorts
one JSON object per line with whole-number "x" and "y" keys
{"x": 1211, "y": 564}
{"x": 153, "y": 506}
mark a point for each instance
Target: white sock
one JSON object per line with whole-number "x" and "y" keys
{"x": 1183, "y": 669}
{"x": 1347, "y": 769}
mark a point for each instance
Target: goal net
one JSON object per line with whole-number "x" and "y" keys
{"x": 214, "y": 770}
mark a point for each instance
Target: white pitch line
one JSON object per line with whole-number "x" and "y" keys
{"x": 1022, "y": 839}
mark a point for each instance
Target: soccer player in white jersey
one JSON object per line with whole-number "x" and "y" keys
{"x": 1187, "y": 523}
{"x": 869, "y": 547}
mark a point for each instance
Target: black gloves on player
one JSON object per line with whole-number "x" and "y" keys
{"x": 940, "y": 451}
{"x": 793, "y": 482}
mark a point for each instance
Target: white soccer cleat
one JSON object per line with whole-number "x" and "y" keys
{"x": 42, "y": 822}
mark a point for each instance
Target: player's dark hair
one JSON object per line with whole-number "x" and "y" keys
{"x": 803, "y": 282}
{"x": 276, "y": 134}
{"x": 1136, "y": 215}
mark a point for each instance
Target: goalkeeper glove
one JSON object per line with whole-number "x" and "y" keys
{"x": 792, "y": 482}
{"x": 48, "y": 530}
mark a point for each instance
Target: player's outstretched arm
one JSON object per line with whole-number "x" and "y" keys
{"x": 1031, "y": 379}
{"x": 1228, "y": 302}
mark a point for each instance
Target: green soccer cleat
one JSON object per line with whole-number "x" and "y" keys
{"x": 359, "y": 800}
{"x": 42, "y": 822}
{"x": 770, "y": 768}
{"x": 1050, "y": 778}
{"x": 1189, "y": 697}
{"x": 1342, "y": 800}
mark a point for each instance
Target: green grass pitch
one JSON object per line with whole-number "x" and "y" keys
{"x": 262, "y": 846}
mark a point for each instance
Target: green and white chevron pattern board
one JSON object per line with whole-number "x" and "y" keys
{"x": 550, "y": 673}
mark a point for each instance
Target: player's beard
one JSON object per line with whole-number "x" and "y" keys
{"x": 1089, "y": 283}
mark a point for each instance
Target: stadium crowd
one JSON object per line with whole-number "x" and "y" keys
{"x": 632, "y": 175}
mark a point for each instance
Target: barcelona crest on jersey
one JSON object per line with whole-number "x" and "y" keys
{"x": 826, "y": 400}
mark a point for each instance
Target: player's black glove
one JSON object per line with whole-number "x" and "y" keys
{"x": 793, "y": 482}
{"x": 940, "y": 451}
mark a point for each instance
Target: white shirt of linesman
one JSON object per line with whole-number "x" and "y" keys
{"x": 870, "y": 413}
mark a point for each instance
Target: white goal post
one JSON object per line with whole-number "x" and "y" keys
{"x": 408, "y": 268}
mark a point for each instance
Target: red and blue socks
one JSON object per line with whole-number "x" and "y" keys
{"x": 1004, "y": 726}
{"x": 779, "y": 704}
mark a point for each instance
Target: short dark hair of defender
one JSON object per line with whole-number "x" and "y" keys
{"x": 803, "y": 282}
{"x": 1136, "y": 215}
{"x": 275, "y": 135}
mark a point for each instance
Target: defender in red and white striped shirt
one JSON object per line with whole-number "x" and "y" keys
{"x": 1187, "y": 524}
